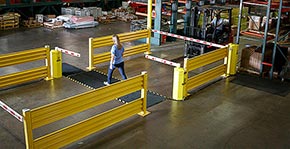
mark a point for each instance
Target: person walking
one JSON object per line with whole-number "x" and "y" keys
{"x": 117, "y": 60}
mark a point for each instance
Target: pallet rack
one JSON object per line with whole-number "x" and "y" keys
{"x": 160, "y": 13}
{"x": 269, "y": 7}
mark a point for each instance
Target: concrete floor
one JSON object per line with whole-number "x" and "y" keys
{"x": 223, "y": 115}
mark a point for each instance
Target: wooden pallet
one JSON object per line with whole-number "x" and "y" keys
{"x": 8, "y": 26}
{"x": 31, "y": 23}
{"x": 51, "y": 25}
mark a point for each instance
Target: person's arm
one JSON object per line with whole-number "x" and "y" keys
{"x": 112, "y": 60}
{"x": 112, "y": 57}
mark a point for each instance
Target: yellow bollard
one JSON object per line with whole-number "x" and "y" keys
{"x": 178, "y": 84}
{"x": 56, "y": 60}
{"x": 232, "y": 59}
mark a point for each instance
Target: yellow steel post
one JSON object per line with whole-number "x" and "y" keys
{"x": 91, "y": 55}
{"x": 178, "y": 84}
{"x": 48, "y": 63}
{"x": 185, "y": 67}
{"x": 27, "y": 128}
{"x": 232, "y": 59}
{"x": 56, "y": 63}
{"x": 144, "y": 94}
{"x": 148, "y": 51}
{"x": 149, "y": 24}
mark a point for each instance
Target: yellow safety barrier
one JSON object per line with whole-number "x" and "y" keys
{"x": 203, "y": 60}
{"x": 24, "y": 57}
{"x": 50, "y": 113}
{"x": 107, "y": 41}
{"x": 182, "y": 84}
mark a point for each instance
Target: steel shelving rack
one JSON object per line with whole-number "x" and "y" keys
{"x": 270, "y": 6}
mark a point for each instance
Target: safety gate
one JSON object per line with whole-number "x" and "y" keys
{"x": 24, "y": 57}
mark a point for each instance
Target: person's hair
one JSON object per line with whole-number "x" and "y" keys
{"x": 119, "y": 45}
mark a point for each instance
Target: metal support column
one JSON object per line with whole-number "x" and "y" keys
{"x": 276, "y": 40}
{"x": 239, "y": 22}
{"x": 188, "y": 7}
{"x": 265, "y": 36}
{"x": 156, "y": 40}
{"x": 173, "y": 22}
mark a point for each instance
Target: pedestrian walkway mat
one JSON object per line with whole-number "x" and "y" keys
{"x": 94, "y": 80}
{"x": 68, "y": 69}
{"x": 91, "y": 79}
{"x": 271, "y": 86}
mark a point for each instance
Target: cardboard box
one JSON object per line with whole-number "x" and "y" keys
{"x": 254, "y": 22}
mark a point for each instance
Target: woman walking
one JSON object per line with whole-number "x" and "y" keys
{"x": 117, "y": 60}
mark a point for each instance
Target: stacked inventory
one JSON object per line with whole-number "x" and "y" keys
{"x": 34, "y": 22}
{"x": 9, "y": 21}
{"x": 123, "y": 15}
{"x": 138, "y": 25}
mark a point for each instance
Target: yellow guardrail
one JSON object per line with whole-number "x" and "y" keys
{"x": 107, "y": 41}
{"x": 24, "y": 57}
{"x": 39, "y": 117}
{"x": 182, "y": 84}
{"x": 203, "y": 60}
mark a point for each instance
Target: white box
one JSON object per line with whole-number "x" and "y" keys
{"x": 63, "y": 10}
{"x": 254, "y": 22}
{"x": 39, "y": 18}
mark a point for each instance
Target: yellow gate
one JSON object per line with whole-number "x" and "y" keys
{"x": 182, "y": 83}
{"x": 24, "y": 57}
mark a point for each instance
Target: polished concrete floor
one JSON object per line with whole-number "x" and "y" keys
{"x": 223, "y": 115}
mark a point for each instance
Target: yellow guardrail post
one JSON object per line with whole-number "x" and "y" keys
{"x": 148, "y": 51}
{"x": 48, "y": 63}
{"x": 144, "y": 94}
{"x": 91, "y": 55}
{"x": 179, "y": 90}
{"x": 232, "y": 59}
{"x": 27, "y": 128}
{"x": 56, "y": 60}
{"x": 149, "y": 24}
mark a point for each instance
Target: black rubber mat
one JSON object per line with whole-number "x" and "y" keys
{"x": 68, "y": 69}
{"x": 271, "y": 86}
{"x": 152, "y": 98}
{"x": 94, "y": 79}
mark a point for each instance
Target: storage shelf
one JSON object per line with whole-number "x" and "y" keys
{"x": 256, "y": 35}
{"x": 260, "y": 35}
{"x": 274, "y": 5}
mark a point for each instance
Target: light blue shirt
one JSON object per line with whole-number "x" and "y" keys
{"x": 118, "y": 53}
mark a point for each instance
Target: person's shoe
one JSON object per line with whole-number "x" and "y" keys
{"x": 106, "y": 83}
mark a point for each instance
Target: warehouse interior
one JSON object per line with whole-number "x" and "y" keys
{"x": 246, "y": 109}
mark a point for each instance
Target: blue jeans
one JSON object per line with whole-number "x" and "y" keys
{"x": 120, "y": 66}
